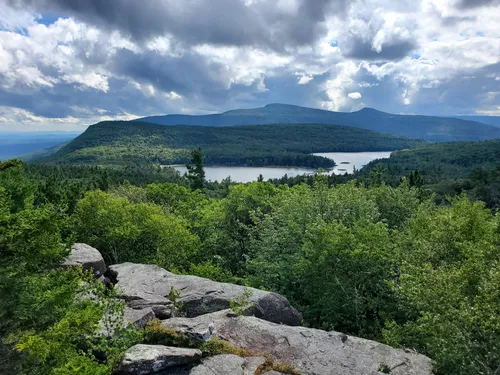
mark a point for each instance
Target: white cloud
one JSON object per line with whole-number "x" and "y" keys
{"x": 90, "y": 80}
{"x": 423, "y": 56}
{"x": 304, "y": 79}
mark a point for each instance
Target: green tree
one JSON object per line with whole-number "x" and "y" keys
{"x": 124, "y": 231}
{"x": 449, "y": 288}
{"x": 196, "y": 172}
{"x": 415, "y": 179}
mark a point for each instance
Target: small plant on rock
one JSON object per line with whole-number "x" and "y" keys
{"x": 242, "y": 303}
{"x": 173, "y": 296}
{"x": 156, "y": 334}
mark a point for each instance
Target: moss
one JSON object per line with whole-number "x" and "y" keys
{"x": 270, "y": 365}
{"x": 156, "y": 334}
{"x": 216, "y": 346}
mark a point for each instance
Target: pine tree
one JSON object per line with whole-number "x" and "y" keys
{"x": 196, "y": 172}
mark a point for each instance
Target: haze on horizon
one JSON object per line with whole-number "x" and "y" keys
{"x": 67, "y": 64}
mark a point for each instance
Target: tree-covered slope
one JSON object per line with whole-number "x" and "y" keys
{"x": 437, "y": 129}
{"x": 440, "y": 161}
{"x": 126, "y": 143}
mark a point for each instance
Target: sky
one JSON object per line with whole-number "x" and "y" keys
{"x": 66, "y": 64}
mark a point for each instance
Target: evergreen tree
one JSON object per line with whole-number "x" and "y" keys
{"x": 416, "y": 179}
{"x": 196, "y": 172}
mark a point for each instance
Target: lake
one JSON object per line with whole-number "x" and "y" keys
{"x": 345, "y": 163}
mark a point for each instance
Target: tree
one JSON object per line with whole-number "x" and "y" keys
{"x": 416, "y": 179}
{"x": 196, "y": 172}
{"x": 449, "y": 288}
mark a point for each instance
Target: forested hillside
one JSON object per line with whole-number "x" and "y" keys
{"x": 432, "y": 128}
{"x": 380, "y": 262}
{"x": 441, "y": 160}
{"x": 135, "y": 143}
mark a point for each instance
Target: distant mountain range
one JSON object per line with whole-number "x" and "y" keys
{"x": 432, "y": 128}
{"x": 28, "y": 145}
{"x": 490, "y": 120}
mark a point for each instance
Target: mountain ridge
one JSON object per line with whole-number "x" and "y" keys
{"x": 431, "y": 128}
{"x": 120, "y": 142}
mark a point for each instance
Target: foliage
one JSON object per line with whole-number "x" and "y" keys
{"x": 439, "y": 161}
{"x": 143, "y": 232}
{"x": 135, "y": 144}
{"x": 383, "y": 262}
{"x": 450, "y": 283}
{"x": 242, "y": 304}
{"x": 270, "y": 365}
{"x": 173, "y": 296}
{"x": 215, "y": 346}
{"x": 196, "y": 173}
{"x": 156, "y": 334}
{"x": 210, "y": 270}
{"x": 45, "y": 316}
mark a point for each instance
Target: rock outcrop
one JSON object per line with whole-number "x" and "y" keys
{"x": 268, "y": 329}
{"x": 86, "y": 256}
{"x": 310, "y": 351}
{"x": 149, "y": 359}
{"x": 228, "y": 364}
{"x": 199, "y": 296}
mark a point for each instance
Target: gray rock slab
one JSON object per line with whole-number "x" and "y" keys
{"x": 311, "y": 351}
{"x": 149, "y": 359}
{"x": 86, "y": 256}
{"x": 228, "y": 364}
{"x": 138, "y": 318}
{"x": 198, "y": 295}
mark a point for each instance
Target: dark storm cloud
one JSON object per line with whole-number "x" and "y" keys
{"x": 223, "y": 22}
{"x": 188, "y": 75}
{"x": 363, "y": 50}
{"x": 454, "y": 21}
{"x": 64, "y": 101}
{"x": 307, "y": 25}
{"x": 444, "y": 99}
{"x": 465, "y": 4}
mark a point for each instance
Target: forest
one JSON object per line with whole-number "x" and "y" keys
{"x": 134, "y": 143}
{"x": 388, "y": 262}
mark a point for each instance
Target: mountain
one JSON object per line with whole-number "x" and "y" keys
{"x": 18, "y": 144}
{"x": 489, "y": 120}
{"x": 437, "y": 129}
{"x": 137, "y": 143}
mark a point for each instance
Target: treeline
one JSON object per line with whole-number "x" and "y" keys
{"x": 137, "y": 144}
{"x": 446, "y": 169}
{"x": 440, "y": 161}
{"x": 381, "y": 262}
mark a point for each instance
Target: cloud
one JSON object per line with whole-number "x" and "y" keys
{"x": 363, "y": 50}
{"x": 465, "y": 4}
{"x": 71, "y": 63}
{"x": 221, "y": 22}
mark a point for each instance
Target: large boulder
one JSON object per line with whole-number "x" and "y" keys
{"x": 138, "y": 318}
{"x": 310, "y": 351}
{"x": 228, "y": 364}
{"x": 150, "y": 359}
{"x": 86, "y": 256}
{"x": 198, "y": 295}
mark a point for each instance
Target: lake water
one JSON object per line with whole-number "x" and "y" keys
{"x": 345, "y": 163}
